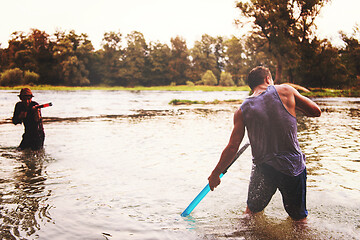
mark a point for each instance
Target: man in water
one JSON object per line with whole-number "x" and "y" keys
{"x": 25, "y": 112}
{"x": 278, "y": 163}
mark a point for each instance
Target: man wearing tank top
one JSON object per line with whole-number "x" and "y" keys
{"x": 269, "y": 117}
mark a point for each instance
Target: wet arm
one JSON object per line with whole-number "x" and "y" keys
{"x": 230, "y": 150}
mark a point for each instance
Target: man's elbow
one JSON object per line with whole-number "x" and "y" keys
{"x": 315, "y": 112}
{"x": 232, "y": 148}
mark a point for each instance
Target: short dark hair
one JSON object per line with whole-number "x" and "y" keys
{"x": 257, "y": 75}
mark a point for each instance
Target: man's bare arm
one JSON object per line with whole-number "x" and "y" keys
{"x": 230, "y": 150}
{"x": 292, "y": 100}
{"x": 306, "y": 105}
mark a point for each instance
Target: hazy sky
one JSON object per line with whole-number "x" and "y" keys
{"x": 158, "y": 20}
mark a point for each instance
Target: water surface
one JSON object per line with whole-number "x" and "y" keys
{"x": 124, "y": 165}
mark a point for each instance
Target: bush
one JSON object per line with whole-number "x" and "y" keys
{"x": 241, "y": 80}
{"x": 190, "y": 83}
{"x": 209, "y": 78}
{"x": 226, "y": 79}
{"x": 31, "y": 77}
{"x": 12, "y": 77}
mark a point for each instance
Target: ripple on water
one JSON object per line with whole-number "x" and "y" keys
{"x": 127, "y": 166}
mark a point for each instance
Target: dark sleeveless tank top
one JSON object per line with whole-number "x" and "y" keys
{"x": 272, "y": 132}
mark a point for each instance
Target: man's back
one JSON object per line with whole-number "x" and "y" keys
{"x": 287, "y": 97}
{"x": 272, "y": 131}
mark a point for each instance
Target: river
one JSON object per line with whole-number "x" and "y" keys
{"x": 125, "y": 164}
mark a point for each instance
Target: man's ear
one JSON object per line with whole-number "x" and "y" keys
{"x": 268, "y": 80}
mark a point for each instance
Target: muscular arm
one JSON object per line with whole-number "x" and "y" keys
{"x": 292, "y": 100}
{"x": 230, "y": 150}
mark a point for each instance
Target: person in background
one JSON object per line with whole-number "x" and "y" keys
{"x": 25, "y": 112}
{"x": 269, "y": 117}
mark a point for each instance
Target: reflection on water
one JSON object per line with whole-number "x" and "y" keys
{"x": 332, "y": 143}
{"x": 23, "y": 193}
{"x": 124, "y": 165}
{"x": 262, "y": 227}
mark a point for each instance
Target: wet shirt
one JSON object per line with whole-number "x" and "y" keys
{"x": 272, "y": 132}
{"x": 32, "y": 128}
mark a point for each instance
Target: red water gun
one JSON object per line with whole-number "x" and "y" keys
{"x": 44, "y": 105}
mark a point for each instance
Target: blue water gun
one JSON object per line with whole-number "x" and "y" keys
{"x": 206, "y": 189}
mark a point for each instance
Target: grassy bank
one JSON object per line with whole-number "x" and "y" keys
{"x": 314, "y": 92}
{"x": 327, "y": 92}
{"x": 189, "y": 102}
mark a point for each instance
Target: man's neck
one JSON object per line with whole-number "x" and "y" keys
{"x": 259, "y": 89}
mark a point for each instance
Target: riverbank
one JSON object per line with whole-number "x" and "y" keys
{"x": 190, "y": 102}
{"x": 314, "y": 92}
{"x": 327, "y": 92}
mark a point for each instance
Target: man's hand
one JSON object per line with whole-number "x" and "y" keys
{"x": 37, "y": 115}
{"x": 214, "y": 181}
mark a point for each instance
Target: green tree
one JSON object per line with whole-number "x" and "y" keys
{"x": 236, "y": 59}
{"x": 179, "y": 62}
{"x": 2, "y": 60}
{"x": 320, "y": 65}
{"x": 42, "y": 53}
{"x": 350, "y": 56}
{"x": 15, "y": 53}
{"x": 203, "y": 57}
{"x": 159, "y": 57}
{"x": 72, "y": 54}
{"x": 219, "y": 51}
{"x": 280, "y": 26}
{"x": 208, "y": 79}
{"x": 226, "y": 79}
{"x": 30, "y": 78}
{"x": 85, "y": 54}
{"x": 73, "y": 72}
{"x": 108, "y": 59}
{"x": 12, "y": 77}
{"x": 135, "y": 61}
{"x": 31, "y": 52}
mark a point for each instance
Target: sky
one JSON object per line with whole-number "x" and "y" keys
{"x": 158, "y": 20}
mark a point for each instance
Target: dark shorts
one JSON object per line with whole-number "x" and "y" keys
{"x": 264, "y": 182}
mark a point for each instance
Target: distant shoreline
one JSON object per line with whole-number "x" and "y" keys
{"x": 314, "y": 92}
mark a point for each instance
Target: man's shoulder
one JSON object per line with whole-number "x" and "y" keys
{"x": 19, "y": 105}
{"x": 285, "y": 89}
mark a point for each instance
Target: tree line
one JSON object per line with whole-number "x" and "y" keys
{"x": 282, "y": 38}
{"x": 67, "y": 58}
